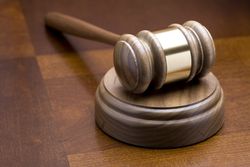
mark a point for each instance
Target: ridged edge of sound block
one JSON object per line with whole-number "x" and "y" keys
{"x": 159, "y": 127}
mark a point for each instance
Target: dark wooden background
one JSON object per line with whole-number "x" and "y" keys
{"x": 48, "y": 82}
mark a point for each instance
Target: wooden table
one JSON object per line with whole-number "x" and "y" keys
{"x": 48, "y": 83}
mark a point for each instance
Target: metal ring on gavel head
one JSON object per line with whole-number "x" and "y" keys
{"x": 180, "y": 52}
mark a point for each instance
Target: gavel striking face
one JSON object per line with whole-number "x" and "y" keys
{"x": 180, "y": 52}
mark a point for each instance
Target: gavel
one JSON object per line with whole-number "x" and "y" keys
{"x": 149, "y": 59}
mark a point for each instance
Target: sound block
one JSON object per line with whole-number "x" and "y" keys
{"x": 177, "y": 115}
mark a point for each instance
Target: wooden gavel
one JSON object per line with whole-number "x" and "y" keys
{"x": 180, "y": 52}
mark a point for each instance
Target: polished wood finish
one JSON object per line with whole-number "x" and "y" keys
{"x": 141, "y": 59}
{"x": 74, "y": 26}
{"x": 130, "y": 118}
{"x": 47, "y": 86}
{"x": 172, "y": 117}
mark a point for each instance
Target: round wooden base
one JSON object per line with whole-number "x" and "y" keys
{"x": 177, "y": 115}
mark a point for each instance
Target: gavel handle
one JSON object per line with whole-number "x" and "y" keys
{"x": 74, "y": 26}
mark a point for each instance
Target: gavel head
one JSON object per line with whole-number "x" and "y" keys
{"x": 180, "y": 52}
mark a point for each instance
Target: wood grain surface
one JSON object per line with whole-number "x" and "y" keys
{"x": 170, "y": 96}
{"x": 48, "y": 83}
{"x": 176, "y": 116}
